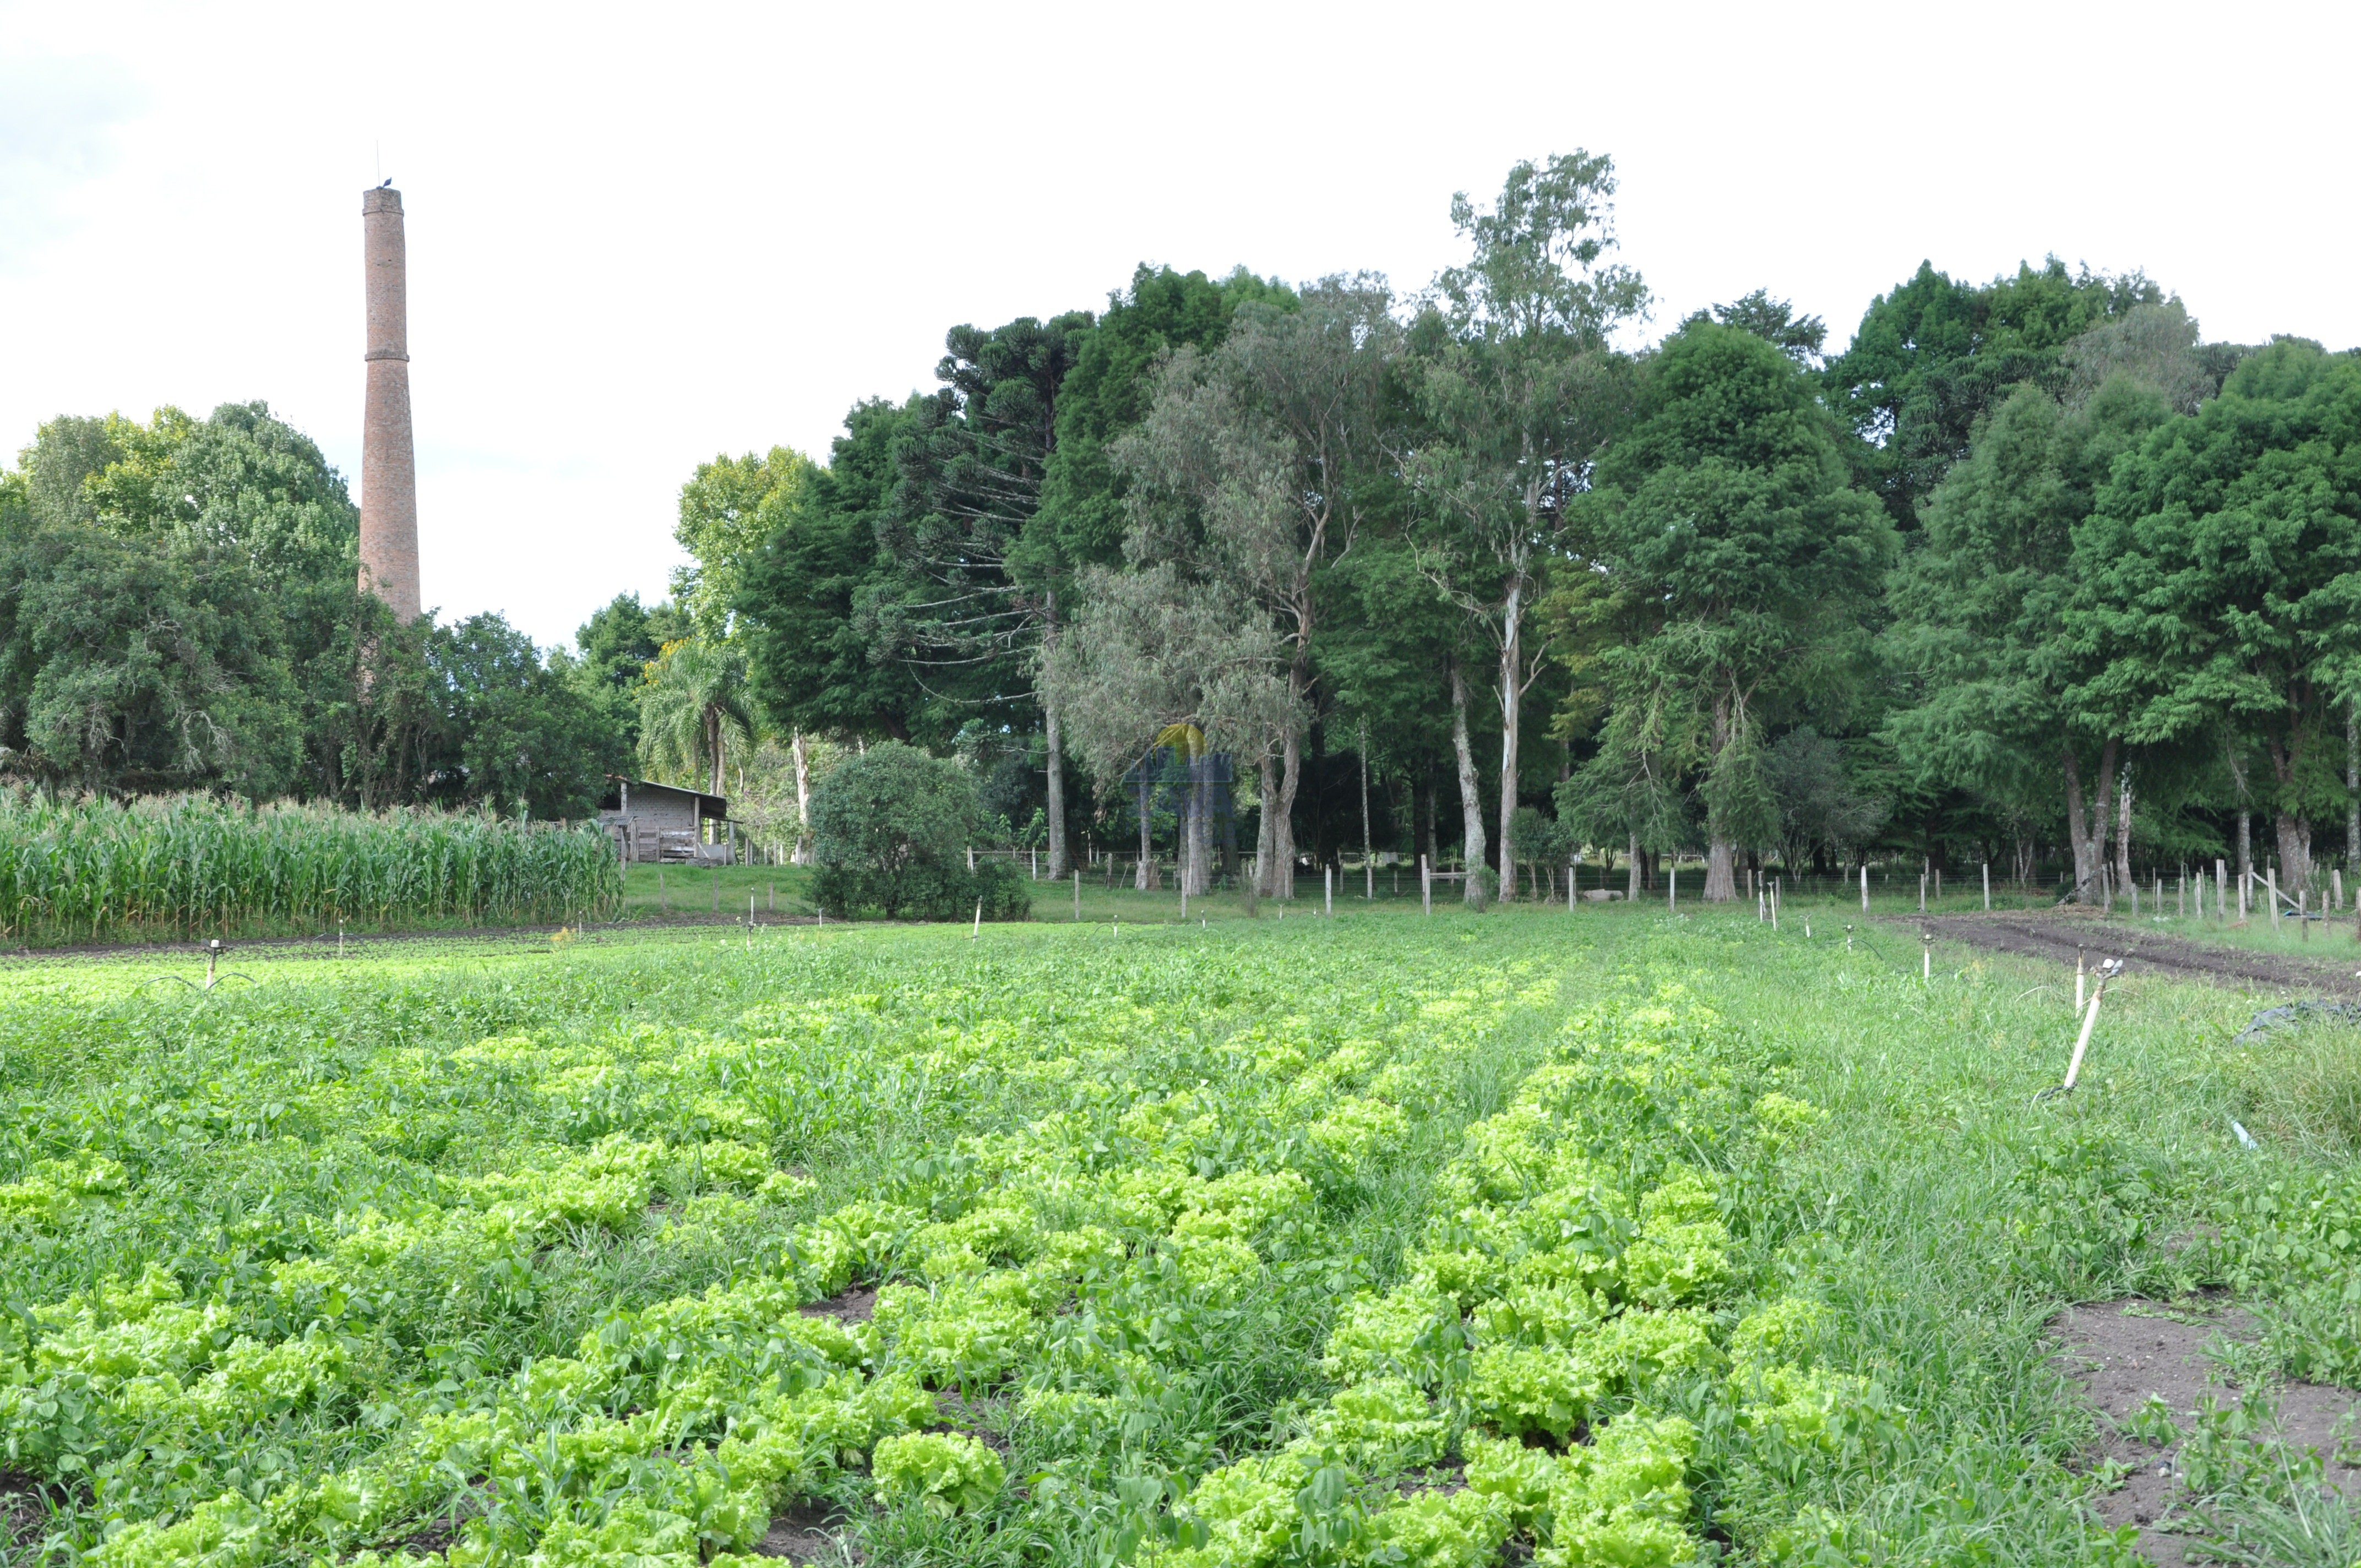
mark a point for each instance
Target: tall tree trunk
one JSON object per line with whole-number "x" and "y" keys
{"x": 1143, "y": 876}
{"x": 2294, "y": 832}
{"x": 2078, "y": 830}
{"x": 1422, "y": 807}
{"x": 2352, "y": 794}
{"x": 1368, "y": 855}
{"x": 2123, "y": 829}
{"x": 1054, "y": 791}
{"x": 1196, "y": 874}
{"x": 1471, "y": 804}
{"x": 1282, "y": 826}
{"x": 2245, "y": 814}
{"x": 2294, "y": 835}
{"x": 801, "y": 748}
{"x": 1053, "y": 778}
{"x": 2101, "y": 820}
{"x": 1720, "y": 874}
{"x": 1631, "y": 887}
{"x": 1513, "y": 702}
{"x": 713, "y": 748}
{"x": 1266, "y": 830}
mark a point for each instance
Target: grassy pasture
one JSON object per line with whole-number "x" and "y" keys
{"x": 1670, "y": 1236}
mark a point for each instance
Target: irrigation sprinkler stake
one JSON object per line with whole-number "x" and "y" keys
{"x": 212, "y": 956}
{"x": 1926, "y": 955}
{"x": 340, "y": 938}
{"x": 2107, "y": 971}
{"x": 977, "y": 929}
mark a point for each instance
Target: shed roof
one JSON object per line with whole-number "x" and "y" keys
{"x": 714, "y": 806}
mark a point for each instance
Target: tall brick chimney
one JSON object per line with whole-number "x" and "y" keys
{"x": 389, "y": 469}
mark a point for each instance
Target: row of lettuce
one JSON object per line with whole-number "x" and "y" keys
{"x": 1570, "y": 1350}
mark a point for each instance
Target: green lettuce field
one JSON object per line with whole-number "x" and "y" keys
{"x": 1623, "y": 1237}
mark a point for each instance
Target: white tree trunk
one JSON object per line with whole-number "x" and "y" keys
{"x": 1282, "y": 815}
{"x": 1266, "y": 832}
{"x": 1471, "y": 803}
{"x": 1512, "y": 698}
{"x": 801, "y": 748}
{"x": 1143, "y": 876}
{"x": 1054, "y": 791}
{"x": 1631, "y": 885}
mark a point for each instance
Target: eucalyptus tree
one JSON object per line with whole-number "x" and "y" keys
{"x": 1519, "y": 386}
{"x": 1257, "y": 465}
{"x": 1170, "y": 652}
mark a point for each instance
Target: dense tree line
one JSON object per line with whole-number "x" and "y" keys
{"x": 2029, "y": 573}
{"x": 179, "y": 610}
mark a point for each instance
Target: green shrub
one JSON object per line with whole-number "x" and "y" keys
{"x": 890, "y": 832}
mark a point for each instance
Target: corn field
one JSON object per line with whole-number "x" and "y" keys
{"x": 190, "y": 865}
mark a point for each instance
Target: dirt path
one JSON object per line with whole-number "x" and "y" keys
{"x": 2123, "y": 1352}
{"x": 2042, "y": 935}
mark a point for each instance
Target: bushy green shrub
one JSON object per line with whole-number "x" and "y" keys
{"x": 890, "y": 832}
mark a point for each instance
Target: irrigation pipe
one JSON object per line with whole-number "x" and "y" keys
{"x": 2106, "y": 971}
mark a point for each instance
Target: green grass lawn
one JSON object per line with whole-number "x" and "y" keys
{"x": 1249, "y": 1242}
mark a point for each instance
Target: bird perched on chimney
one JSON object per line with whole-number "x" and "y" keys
{"x": 386, "y": 185}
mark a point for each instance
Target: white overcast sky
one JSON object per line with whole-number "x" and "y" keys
{"x": 639, "y": 236}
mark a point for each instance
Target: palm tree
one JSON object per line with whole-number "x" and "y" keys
{"x": 693, "y": 705}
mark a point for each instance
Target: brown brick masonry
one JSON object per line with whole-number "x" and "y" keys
{"x": 389, "y": 469}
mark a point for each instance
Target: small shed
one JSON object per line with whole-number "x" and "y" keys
{"x": 661, "y": 822}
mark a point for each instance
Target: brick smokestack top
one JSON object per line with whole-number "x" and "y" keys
{"x": 389, "y": 470}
